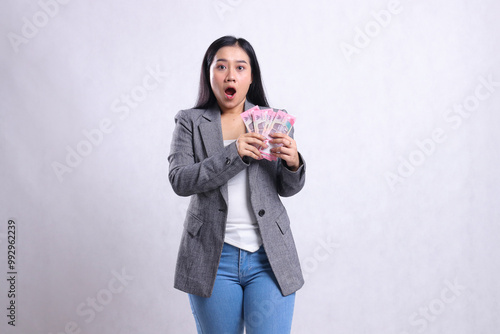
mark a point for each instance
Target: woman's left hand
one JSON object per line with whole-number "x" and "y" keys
{"x": 288, "y": 152}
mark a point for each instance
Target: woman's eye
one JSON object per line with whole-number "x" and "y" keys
{"x": 240, "y": 68}
{"x": 221, "y": 67}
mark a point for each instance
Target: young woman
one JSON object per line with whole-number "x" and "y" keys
{"x": 237, "y": 258}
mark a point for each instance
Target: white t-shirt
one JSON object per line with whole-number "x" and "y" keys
{"x": 242, "y": 230}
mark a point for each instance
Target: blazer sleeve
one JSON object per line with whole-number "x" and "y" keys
{"x": 188, "y": 176}
{"x": 289, "y": 182}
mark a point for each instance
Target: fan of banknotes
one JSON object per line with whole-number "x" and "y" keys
{"x": 267, "y": 122}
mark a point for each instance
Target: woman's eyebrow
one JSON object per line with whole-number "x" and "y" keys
{"x": 238, "y": 61}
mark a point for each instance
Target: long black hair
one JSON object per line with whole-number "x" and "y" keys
{"x": 255, "y": 95}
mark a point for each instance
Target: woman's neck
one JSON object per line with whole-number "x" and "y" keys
{"x": 233, "y": 111}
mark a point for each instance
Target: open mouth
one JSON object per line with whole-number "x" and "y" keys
{"x": 230, "y": 91}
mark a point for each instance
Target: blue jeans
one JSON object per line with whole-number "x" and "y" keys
{"x": 245, "y": 293}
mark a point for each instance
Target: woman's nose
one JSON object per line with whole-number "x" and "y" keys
{"x": 230, "y": 75}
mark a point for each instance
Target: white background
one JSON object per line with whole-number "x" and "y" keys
{"x": 379, "y": 257}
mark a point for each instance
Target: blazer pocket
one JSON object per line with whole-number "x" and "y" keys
{"x": 192, "y": 224}
{"x": 283, "y": 222}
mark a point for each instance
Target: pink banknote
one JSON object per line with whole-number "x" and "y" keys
{"x": 267, "y": 122}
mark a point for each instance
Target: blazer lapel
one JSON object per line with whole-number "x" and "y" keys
{"x": 211, "y": 134}
{"x": 211, "y": 131}
{"x": 254, "y": 167}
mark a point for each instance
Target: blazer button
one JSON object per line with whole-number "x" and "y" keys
{"x": 228, "y": 161}
{"x": 262, "y": 213}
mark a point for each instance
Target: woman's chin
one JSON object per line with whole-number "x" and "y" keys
{"x": 228, "y": 104}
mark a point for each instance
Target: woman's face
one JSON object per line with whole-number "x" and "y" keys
{"x": 230, "y": 77}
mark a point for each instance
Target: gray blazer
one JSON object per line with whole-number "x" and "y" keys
{"x": 200, "y": 167}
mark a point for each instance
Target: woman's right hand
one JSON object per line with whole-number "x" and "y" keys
{"x": 247, "y": 145}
